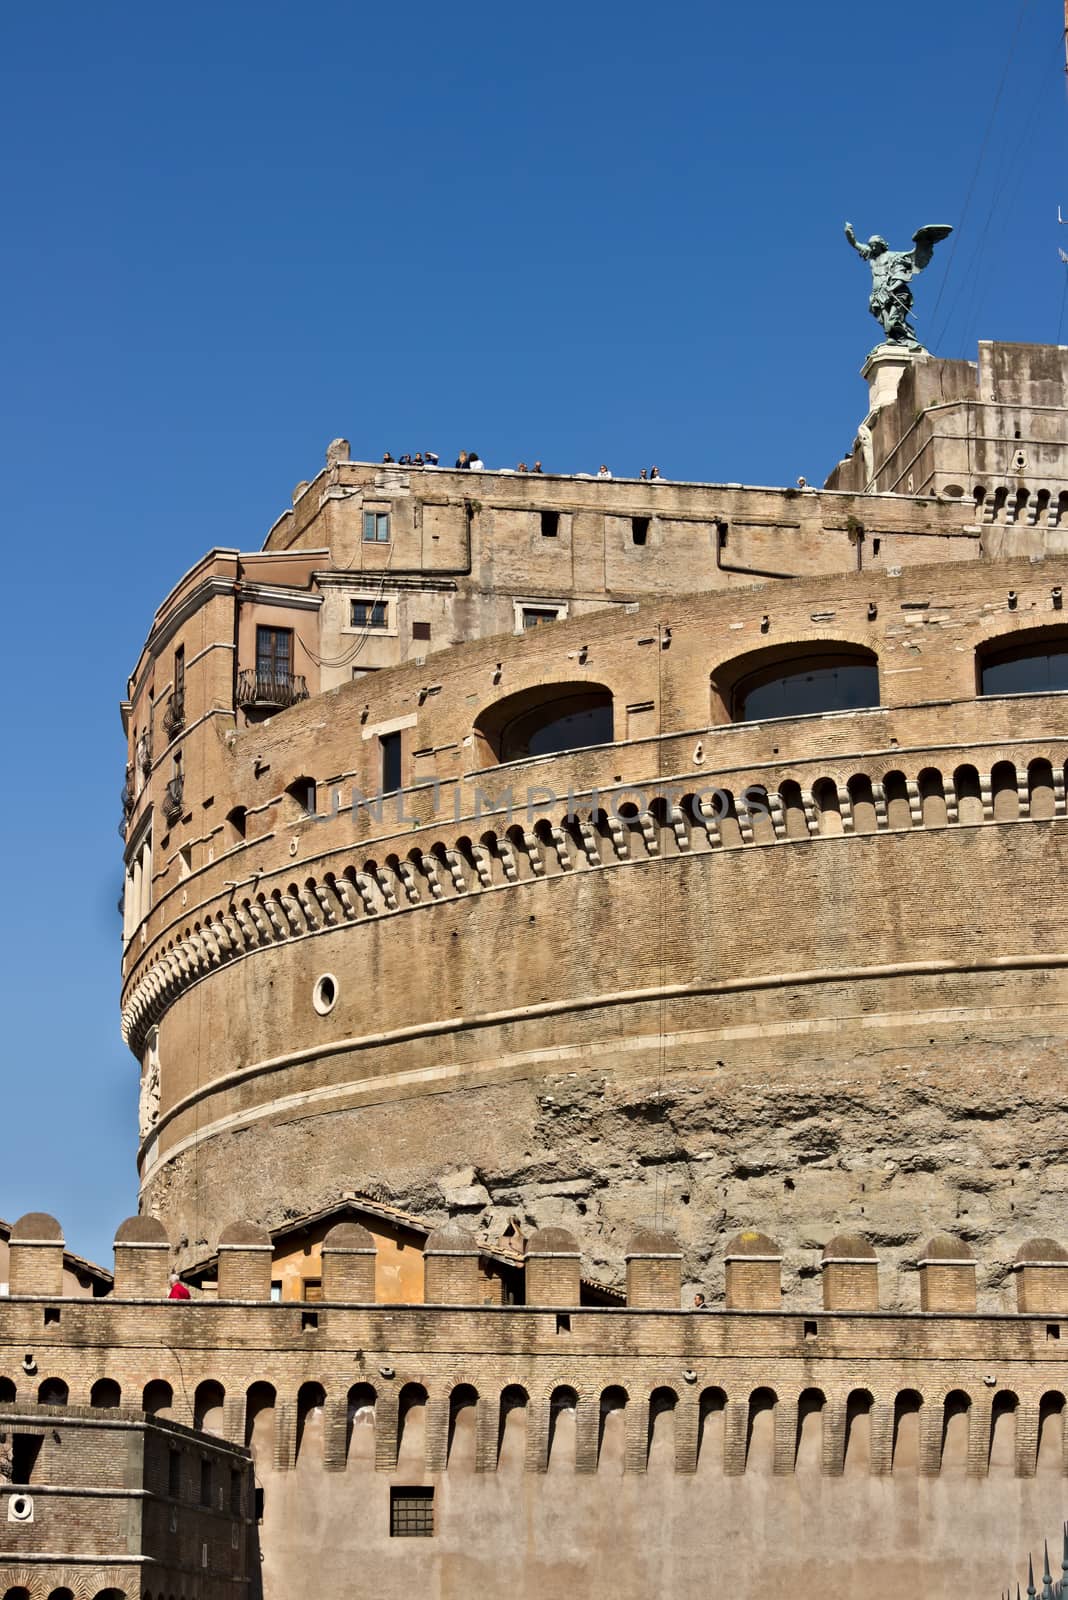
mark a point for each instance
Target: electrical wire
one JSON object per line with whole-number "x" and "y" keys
{"x": 979, "y": 163}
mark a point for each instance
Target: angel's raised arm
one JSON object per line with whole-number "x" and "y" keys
{"x": 861, "y": 249}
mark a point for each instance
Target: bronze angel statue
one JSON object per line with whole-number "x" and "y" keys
{"x": 891, "y": 274}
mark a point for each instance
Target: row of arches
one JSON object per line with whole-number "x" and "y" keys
{"x": 617, "y": 1426}
{"x": 671, "y": 821}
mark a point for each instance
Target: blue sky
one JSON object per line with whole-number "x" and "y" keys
{"x": 581, "y": 232}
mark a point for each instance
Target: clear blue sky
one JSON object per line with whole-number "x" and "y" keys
{"x": 583, "y": 232}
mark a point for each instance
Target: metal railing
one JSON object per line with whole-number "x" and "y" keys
{"x": 273, "y": 689}
{"x": 172, "y": 798}
{"x": 174, "y": 716}
{"x": 1052, "y": 1588}
{"x": 144, "y": 753}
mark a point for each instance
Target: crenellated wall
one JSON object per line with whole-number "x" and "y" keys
{"x": 897, "y": 1438}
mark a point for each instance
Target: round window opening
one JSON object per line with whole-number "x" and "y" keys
{"x": 324, "y": 995}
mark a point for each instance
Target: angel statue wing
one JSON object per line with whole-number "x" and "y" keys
{"x": 925, "y": 240}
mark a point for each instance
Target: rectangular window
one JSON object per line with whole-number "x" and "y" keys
{"x": 205, "y": 1483}
{"x": 550, "y": 524}
{"x": 25, "y": 1448}
{"x": 313, "y": 1288}
{"x": 376, "y": 527}
{"x": 274, "y": 655}
{"x": 174, "y": 1474}
{"x": 639, "y": 529}
{"x": 535, "y": 616}
{"x": 390, "y": 744}
{"x": 411, "y": 1513}
{"x": 179, "y": 672}
{"x": 276, "y": 1288}
{"x": 369, "y": 614}
{"x": 420, "y": 630}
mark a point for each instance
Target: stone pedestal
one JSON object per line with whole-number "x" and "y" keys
{"x": 882, "y": 372}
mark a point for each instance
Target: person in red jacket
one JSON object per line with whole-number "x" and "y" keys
{"x": 178, "y": 1289}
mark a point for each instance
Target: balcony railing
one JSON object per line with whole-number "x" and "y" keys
{"x": 272, "y": 690}
{"x": 126, "y": 795}
{"x": 172, "y": 799}
{"x": 144, "y": 753}
{"x": 174, "y": 716}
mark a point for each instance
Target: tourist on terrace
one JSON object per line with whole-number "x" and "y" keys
{"x": 643, "y": 476}
{"x": 387, "y": 457}
{"x": 178, "y": 1289}
{"x": 475, "y": 462}
{"x": 654, "y": 475}
{"x": 603, "y": 472}
{"x": 462, "y": 461}
{"x": 536, "y": 467}
{"x": 522, "y": 467}
{"x": 430, "y": 457}
{"x": 417, "y": 459}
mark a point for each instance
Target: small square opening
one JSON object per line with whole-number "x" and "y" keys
{"x": 811, "y": 1329}
{"x": 563, "y": 1322}
{"x": 51, "y": 1314}
{"x": 550, "y": 524}
{"x": 639, "y": 529}
{"x": 411, "y": 1512}
{"x": 309, "y": 1319}
{"x": 1053, "y": 1330}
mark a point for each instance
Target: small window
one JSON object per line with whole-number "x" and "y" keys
{"x": 179, "y": 672}
{"x": 376, "y": 527}
{"x": 639, "y": 530}
{"x": 174, "y": 1474}
{"x": 420, "y": 630}
{"x": 274, "y": 654}
{"x": 302, "y": 790}
{"x": 811, "y": 1330}
{"x": 550, "y": 524}
{"x": 411, "y": 1513}
{"x": 309, "y": 1321}
{"x": 205, "y": 1483}
{"x": 390, "y": 745}
{"x": 276, "y": 1289}
{"x": 51, "y": 1314}
{"x": 236, "y": 822}
{"x": 258, "y": 1504}
{"x": 537, "y": 616}
{"x": 324, "y": 995}
{"x": 313, "y": 1288}
{"x": 370, "y": 614}
{"x": 1053, "y": 1330}
{"x": 563, "y": 1322}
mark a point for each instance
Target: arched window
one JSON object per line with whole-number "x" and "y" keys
{"x": 955, "y": 1417}
{"x": 611, "y": 1425}
{"x": 52, "y": 1392}
{"x": 260, "y": 1402}
{"x": 463, "y": 1409}
{"x": 105, "y": 1393}
{"x": 411, "y": 1428}
{"x": 660, "y": 1443}
{"x": 563, "y": 1409}
{"x": 1003, "y": 1433}
{"x": 1051, "y": 1434}
{"x": 712, "y": 1409}
{"x": 857, "y": 1457}
{"x": 798, "y": 681}
{"x": 7, "y": 1392}
{"x": 360, "y": 1425}
{"x": 512, "y": 1429}
{"x": 1035, "y": 663}
{"x": 311, "y": 1400}
{"x": 545, "y": 721}
{"x": 157, "y": 1397}
{"x": 760, "y": 1439}
{"x": 208, "y": 1407}
{"x": 906, "y": 1443}
{"x": 808, "y": 1450}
